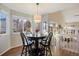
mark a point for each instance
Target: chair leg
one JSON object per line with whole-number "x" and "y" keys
{"x": 50, "y": 51}
{"x": 25, "y": 51}
{"x": 29, "y": 49}
{"x": 46, "y": 51}
{"x": 43, "y": 50}
{"x": 22, "y": 51}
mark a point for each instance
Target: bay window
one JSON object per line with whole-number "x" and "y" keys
{"x": 20, "y": 23}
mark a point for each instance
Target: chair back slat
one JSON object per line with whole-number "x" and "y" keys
{"x": 24, "y": 39}
{"x": 48, "y": 39}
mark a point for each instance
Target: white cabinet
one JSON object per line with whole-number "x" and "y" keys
{"x": 71, "y": 45}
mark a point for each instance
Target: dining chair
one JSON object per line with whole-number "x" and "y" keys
{"x": 27, "y": 44}
{"x": 29, "y": 34}
{"x": 46, "y": 44}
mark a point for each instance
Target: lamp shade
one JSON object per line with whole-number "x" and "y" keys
{"x": 37, "y": 18}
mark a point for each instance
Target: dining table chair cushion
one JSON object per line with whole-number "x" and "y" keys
{"x": 29, "y": 42}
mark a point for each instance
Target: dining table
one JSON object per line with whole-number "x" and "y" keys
{"x": 36, "y": 50}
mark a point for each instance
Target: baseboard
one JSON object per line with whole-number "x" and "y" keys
{"x": 9, "y": 49}
{"x": 5, "y": 51}
{"x": 15, "y": 46}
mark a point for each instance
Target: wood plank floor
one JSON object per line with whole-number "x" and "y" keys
{"x": 55, "y": 52}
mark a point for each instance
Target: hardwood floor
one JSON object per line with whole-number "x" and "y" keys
{"x": 62, "y": 52}
{"x": 13, "y": 52}
{"x": 55, "y": 52}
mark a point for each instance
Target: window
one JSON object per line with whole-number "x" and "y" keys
{"x": 16, "y": 24}
{"x": 45, "y": 26}
{"x": 20, "y": 23}
{"x": 2, "y": 23}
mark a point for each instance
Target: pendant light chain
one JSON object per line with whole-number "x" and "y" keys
{"x": 37, "y": 7}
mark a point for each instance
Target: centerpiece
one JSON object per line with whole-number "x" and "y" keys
{"x": 37, "y": 30}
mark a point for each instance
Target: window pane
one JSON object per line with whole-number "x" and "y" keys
{"x": 2, "y": 23}
{"x": 20, "y": 24}
{"x": 45, "y": 26}
{"x": 15, "y": 24}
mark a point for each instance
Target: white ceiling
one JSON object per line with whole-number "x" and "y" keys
{"x": 30, "y": 8}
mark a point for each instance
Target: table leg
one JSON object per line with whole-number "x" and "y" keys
{"x": 36, "y": 46}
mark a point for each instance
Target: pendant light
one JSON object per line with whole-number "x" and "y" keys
{"x": 37, "y": 17}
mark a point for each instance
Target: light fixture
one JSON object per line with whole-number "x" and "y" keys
{"x": 37, "y": 17}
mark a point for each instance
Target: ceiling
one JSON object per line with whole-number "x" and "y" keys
{"x": 43, "y": 8}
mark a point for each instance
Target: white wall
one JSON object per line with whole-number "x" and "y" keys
{"x": 69, "y": 14}
{"x": 5, "y": 38}
{"x": 15, "y": 37}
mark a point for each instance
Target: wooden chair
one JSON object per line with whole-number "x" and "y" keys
{"x": 46, "y": 44}
{"x": 27, "y": 45}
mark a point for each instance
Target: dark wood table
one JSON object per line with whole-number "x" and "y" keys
{"x": 36, "y": 39}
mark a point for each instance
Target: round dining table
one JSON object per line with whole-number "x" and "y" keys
{"x": 36, "y": 39}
